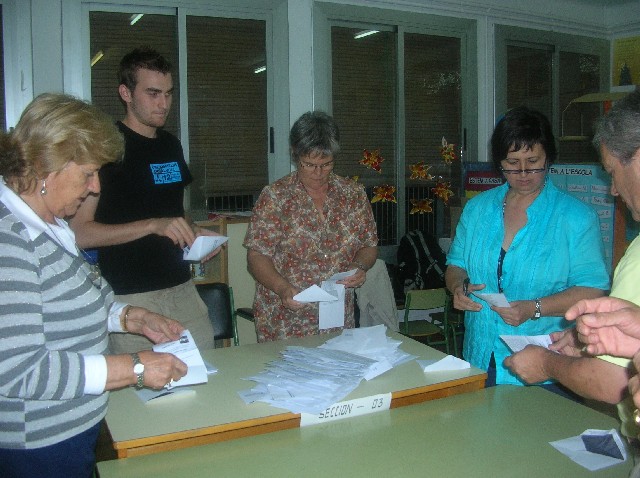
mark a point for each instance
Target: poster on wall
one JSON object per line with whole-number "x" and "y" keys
{"x": 591, "y": 184}
{"x": 625, "y": 69}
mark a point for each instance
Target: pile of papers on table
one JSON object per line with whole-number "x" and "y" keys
{"x": 311, "y": 379}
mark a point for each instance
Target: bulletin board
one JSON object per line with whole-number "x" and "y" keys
{"x": 625, "y": 69}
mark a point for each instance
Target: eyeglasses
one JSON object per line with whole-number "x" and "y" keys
{"x": 523, "y": 171}
{"x": 314, "y": 167}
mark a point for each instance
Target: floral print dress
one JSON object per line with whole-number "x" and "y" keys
{"x": 306, "y": 249}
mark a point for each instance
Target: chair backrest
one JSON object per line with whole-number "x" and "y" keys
{"x": 426, "y": 299}
{"x": 218, "y": 297}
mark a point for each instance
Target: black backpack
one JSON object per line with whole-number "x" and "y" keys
{"x": 421, "y": 262}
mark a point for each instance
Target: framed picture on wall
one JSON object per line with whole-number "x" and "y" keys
{"x": 625, "y": 69}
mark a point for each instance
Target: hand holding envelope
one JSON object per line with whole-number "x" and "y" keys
{"x": 331, "y": 300}
{"x": 202, "y": 247}
{"x": 314, "y": 294}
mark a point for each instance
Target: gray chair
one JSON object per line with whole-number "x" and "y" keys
{"x": 218, "y": 297}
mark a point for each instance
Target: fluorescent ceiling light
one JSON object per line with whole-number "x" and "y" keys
{"x": 260, "y": 69}
{"x": 364, "y": 33}
{"x": 97, "y": 57}
{"x": 135, "y": 17}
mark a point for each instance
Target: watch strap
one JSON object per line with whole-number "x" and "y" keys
{"x": 140, "y": 376}
{"x": 538, "y": 311}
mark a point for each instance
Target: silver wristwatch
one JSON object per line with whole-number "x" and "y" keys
{"x": 138, "y": 369}
{"x": 538, "y": 312}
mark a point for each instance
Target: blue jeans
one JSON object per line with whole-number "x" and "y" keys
{"x": 71, "y": 458}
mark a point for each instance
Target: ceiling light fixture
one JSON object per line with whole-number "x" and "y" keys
{"x": 260, "y": 69}
{"x": 365, "y": 33}
{"x": 135, "y": 17}
{"x": 97, "y": 57}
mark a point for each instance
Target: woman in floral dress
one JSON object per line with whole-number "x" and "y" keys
{"x": 306, "y": 227}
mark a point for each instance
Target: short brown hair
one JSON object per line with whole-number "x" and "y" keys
{"x": 143, "y": 57}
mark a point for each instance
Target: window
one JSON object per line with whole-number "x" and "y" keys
{"x": 546, "y": 71}
{"x": 364, "y": 106}
{"x": 433, "y": 99}
{"x": 404, "y": 124}
{"x": 3, "y": 116}
{"x": 226, "y": 86}
{"x": 114, "y": 34}
{"x": 227, "y": 90}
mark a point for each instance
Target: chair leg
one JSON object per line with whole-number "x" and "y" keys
{"x": 455, "y": 342}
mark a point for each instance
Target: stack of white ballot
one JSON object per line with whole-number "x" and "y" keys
{"x": 308, "y": 380}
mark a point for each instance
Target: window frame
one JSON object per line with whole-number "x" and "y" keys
{"x": 555, "y": 43}
{"x": 78, "y": 72}
{"x": 329, "y": 15}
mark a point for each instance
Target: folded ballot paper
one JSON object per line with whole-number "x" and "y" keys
{"x": 518, "y": 342}
{"x": 330, "y": 296}
{"x": 186, "y": 350}
{"x": 202, "y": 247}
{"x": 593, "y": 449}
{"x": 448, "y": 363}
{"x": 308, "y": 380}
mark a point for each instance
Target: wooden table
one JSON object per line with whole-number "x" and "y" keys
{"x": 215, "y": 412}
{"x": 497, "y": 432}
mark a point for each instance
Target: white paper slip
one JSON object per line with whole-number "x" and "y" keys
{"x": 186, "y": 350}
{"x": 342, "y": 275}
{"x": 497, "y": 300}
{"x": 517, "y": 342}
{"x": 314, "y": 294}
{"x": 448, "y": 363}
{"x": 203, "y": 246}
{"x": 149, "y": 395}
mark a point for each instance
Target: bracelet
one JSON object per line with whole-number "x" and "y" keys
{"x": 124, "y": 317}
{"x": 360, "y": 265}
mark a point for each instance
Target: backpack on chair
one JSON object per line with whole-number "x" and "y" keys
{"x": 421, "y": 262}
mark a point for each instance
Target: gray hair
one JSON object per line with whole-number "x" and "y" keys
{"x": 619, "y": 129}
{"x": 315, "y": 133}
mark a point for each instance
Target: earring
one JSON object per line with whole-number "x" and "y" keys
{"x": 43, "y": 191}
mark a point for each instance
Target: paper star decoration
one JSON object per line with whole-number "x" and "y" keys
{"x": 420, "y": 206}
{"x": 443, "y": 190}
{"x": 372, "y": 160}
{"x": 384, "y": 193}
{"x": 420, "y": 171}
{"x": 447, "y": 152}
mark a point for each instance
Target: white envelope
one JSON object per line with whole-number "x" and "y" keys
{"x": 203, "y": 246}
{"x": 314, "y": 294}
{"x": 448, "y": 363}
{"x": 497, "y": 300}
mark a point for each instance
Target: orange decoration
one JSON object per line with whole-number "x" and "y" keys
{"x": 372, "y": 160}
{"x": 447, "y": 152}
{"x": 443, "y": 190}
{"x": 384, "y": 193}
{"x": 420, "y": 206}
{"x": 420, "y": 171}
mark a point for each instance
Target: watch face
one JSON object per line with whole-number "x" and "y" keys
{"x": 138, "y": 368}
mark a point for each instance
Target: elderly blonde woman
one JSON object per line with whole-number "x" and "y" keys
{"x": 55, "y": 311}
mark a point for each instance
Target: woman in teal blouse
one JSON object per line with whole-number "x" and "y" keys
{"x": 537, "y": 245}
